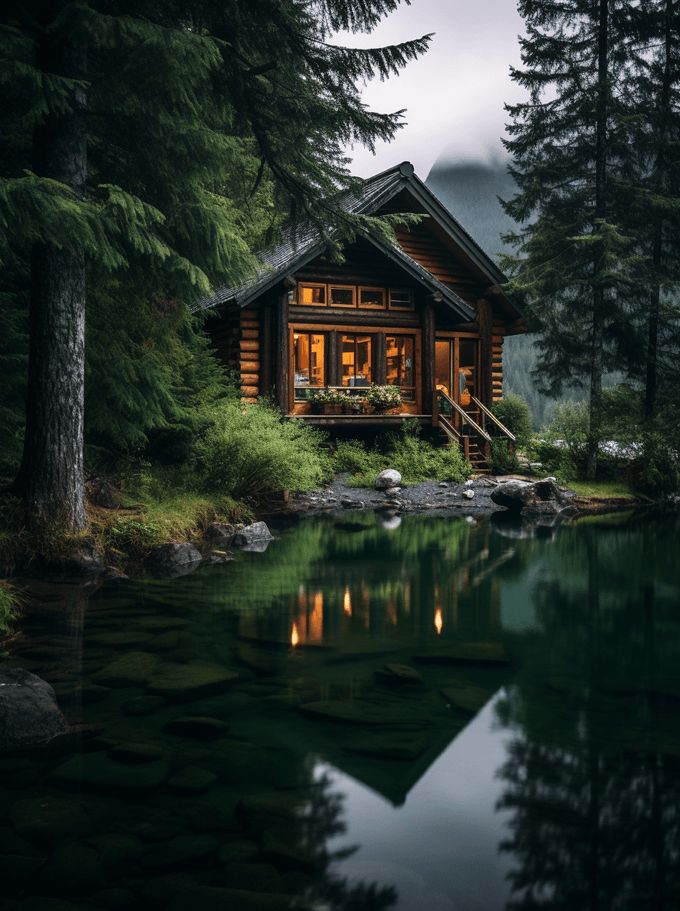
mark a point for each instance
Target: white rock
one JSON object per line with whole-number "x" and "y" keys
{"x": 387, "y": 479}
{"x": 469, "y": 494}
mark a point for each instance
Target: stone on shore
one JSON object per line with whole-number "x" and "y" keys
{"x": 387, "y": 479}
{"x": 255, "y": 537}
{"x": 29, "y": 714}
{"x": 535, "y": 496}
{"x": 174, "y": 559}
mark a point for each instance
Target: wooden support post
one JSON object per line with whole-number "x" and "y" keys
{"x": 266, "y": 353}
{"x": 379, "y": 371}
{"x": 281, "y": 353}
{"x": 485, "y": 320}
{"x": 333, "y": 360}
{"x": 428, "y": 358}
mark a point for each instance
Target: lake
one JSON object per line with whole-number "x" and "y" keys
{"x": 375, "y": 713}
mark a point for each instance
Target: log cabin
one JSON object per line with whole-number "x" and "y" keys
{"x": 426, "y": 314}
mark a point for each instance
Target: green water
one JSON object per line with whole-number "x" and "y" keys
{"x": 245, "y": 747}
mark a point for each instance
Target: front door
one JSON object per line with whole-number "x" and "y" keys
{"x": 456, "y": 369}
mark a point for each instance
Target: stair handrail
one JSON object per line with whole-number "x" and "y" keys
{"x": 464, "y": 415}
{"x": 504, "y": 430}
{"x": 448, "y": 425}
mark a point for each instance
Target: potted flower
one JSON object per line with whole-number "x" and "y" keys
{"x": 328, "y": 401}
{"x": 383, "y": 398}
{"x": 354, "y": 404}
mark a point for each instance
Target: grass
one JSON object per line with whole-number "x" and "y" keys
{"x": 415, "y": 459}
{"x": 610, "y": 490}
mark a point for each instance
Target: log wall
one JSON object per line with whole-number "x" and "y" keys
{"x": 250, "y": 363}
{"x": 497, "y": 368}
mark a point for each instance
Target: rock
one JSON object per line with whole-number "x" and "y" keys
{"x": 536, "y": 496}
{"x": 113, "y": 574}
{"x": 174, "y": 559}
{"x": 135, "y": 753}
{"x": 75, "y": 865}
{"x": 366, "y": 713}
{"x": 49, "y": 819}
{"x": 183, "y": 849}
{"x": 143, "y": 705}
{"x": 466, "y": 653}
{"x": 119, "y": 638}
{"x": 179, "y": 682}
{"x": 192, "y": 780}
{"x": 399, "y": 675}
{"x": 221, "y": 533}
{"x": 197, "y": 727}
{"x": 98, "y": 771}
{"x": 466, "y": 697}
{"x": 19, "y": 869}
{"x": 83, "y": 560}
{"x": 29, "y": 714}
{"x": 253, "y": 536}
{"x": 133, "y": 669}
{"x": 469, "y": 493}
{"x": 116, "y": 849}
{"x": 113, "y": 899}
{"x": 443, "y": 484}
{"x": 218, "y": 558}
{"x": 387, "y": 479}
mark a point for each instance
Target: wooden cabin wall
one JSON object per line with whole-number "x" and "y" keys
{"x": 250, "y": 361}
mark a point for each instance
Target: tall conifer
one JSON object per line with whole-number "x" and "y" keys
{"x": 128, "y": 123}
{"x": 573, "y": 263}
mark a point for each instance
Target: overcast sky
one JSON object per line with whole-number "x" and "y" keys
{"x": 454, "y": 94}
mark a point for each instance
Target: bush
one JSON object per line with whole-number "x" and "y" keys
{"x": 657, "y": 470}
{"x": 250, "y": 451}
{"x": 514, "y": 412}
{"x": 353, "y": 457}
{"x": 9, "y": 606}
{"x": 503, "y": 459}
{"x": 563, "y": 444}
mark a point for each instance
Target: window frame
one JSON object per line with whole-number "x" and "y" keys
{"x": 403, "y": 308}
{"x": 301, "y": 285}
{"x": 411, "y": 389}
{"x": 311, "y": 388}
{"x": 373, "y": 288}
{"x": 329, "y": 294}
{"x": 356, "y": 334}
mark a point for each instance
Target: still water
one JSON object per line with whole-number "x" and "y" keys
{"x": 431, "y": 713}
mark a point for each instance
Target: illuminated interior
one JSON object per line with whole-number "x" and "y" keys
{"x": 310, "y": 362}
{"x": 356, "y": 360}
{"x": 400, "y": 364}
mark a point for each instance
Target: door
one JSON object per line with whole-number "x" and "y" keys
{"x": 456, "y": 369}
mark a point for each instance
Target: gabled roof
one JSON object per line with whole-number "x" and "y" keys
{"x": 301, "y": 243}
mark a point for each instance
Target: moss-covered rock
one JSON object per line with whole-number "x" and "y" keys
{"x": 132, "y": 669}
{"x": 466, "y": 697}
{"x": 135, "y": 753}
{"x": 180, "y": 682}
{"x": 366, "y": 713}
{"x": 140, "y": 706}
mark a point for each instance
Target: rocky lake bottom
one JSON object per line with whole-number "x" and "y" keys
{"x": 435, "y": 712}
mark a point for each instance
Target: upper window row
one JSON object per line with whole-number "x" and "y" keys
{"x": 318, "y": 294}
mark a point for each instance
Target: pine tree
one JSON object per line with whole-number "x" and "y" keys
{"x": 141, "y": 117}
{"x": 573, "y": 262}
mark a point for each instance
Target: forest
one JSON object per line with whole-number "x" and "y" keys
{"x": 150, "y": 150}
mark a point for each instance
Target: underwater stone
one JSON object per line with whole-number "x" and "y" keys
{"x": 143, "y": 705}
{"x": 190, "y": 681}
{"x": 399, "y": 675}
{"x": 116, "y": 848}
{"x": 133, "y": 669}
{"x": 197, "y": 727}
{"x": 29, "y": 714}
{"x": 466, "y": 653}
{"x": 135, "y": 753}
{"x": 466, "y": 697}
{"x": 192, "y": 780}
{"x": 47, "y": 818}
{"x": 100, "y": 772}
{"x": 75, "y": 866}
{"x": 365, "y": 713}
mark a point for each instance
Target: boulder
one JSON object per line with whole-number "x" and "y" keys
{"x": 182, "y": 682}
{"x": 387, "y": 479}
{"x": 221, "y": 533}
{"x": 29, "y": 714}
{"x": 535, "y": 496}
{"x": 174, "y": 559}
{"x": 82, "y": 560}
{"x": 255, "y": 537}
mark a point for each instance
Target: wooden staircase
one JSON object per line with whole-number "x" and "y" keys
{"x": 469, "y": 429}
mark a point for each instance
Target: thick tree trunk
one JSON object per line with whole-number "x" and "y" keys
{"x": 51, "y": 476}
{"x": 661, "y": 186}
{"x": 597, "y": 334}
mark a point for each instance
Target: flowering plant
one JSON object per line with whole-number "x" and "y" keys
{"x": 328, "y": 397}
{"x": 383, "y": 397}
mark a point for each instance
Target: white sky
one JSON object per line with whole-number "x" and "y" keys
{"x": 454, "y": 94}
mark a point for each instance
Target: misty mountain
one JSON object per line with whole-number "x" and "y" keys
{"x": 471, "y": 191}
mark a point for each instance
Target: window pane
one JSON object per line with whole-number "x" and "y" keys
{"x": 310, "y": 362}
{"x": 341, "y": 297}
{"x": 312, "y": 295}
{"x": 401, "y": 299}
{"x": 399, "y": 363}
{"x": 372, "y": 298}
{"x": 356, "y": 360}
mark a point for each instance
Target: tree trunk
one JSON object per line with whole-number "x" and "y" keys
{"x": 597, "y": 337}
{"x": 51, "y": 475}
{"x": 661, "y": 187}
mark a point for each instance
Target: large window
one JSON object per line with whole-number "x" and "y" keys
{"x": 357, "y": 352}
{"x": 309, "y": 363}
{"x": 400, "y": 364}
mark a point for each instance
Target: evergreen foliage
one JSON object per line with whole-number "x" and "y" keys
{"x": 204, "y": 125}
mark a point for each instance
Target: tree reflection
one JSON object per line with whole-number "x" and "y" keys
{"x": 593, "y": 769}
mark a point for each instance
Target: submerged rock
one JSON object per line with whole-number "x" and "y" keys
{"x": 29, "y": 714}
{"x": 100, "y": 772}
{"x": 369, "y": 713}
{"x": 399, "y": 675}
{"x": 190, "y": 681}
{"x": 466, "y": 697}
{"x": 143, "y": 705}
{"x": 255, "y": 536}
{"x": 387, "y": 479}
{"x": 197, "y": 727}
{"x": 133, "y": 669}
{"x": 174, "y": 559}
{"x": 49, "y": 819}
{"x": 536, "y": 496}
{"x": 192, "y": 780}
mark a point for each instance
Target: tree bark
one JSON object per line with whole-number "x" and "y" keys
{"x": 51, "y": 476}
{"x": 597, "y": 331}
{"x": 661, "y": 187}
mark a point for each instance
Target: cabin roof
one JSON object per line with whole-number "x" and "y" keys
{"x": 300, "y": 243}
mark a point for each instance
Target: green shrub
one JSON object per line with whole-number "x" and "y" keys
{"x": 563, "y": 444}
{"x": 503, "y": 458}
{"x": 251, "y": 451}
{"x": 353, "y": 457}
{"x": 657, "y": 469}
{"x": 9, "y": 606}
{"x": 514, "y": 412}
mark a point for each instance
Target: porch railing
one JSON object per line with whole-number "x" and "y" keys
{"x": 447, "y": 413}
